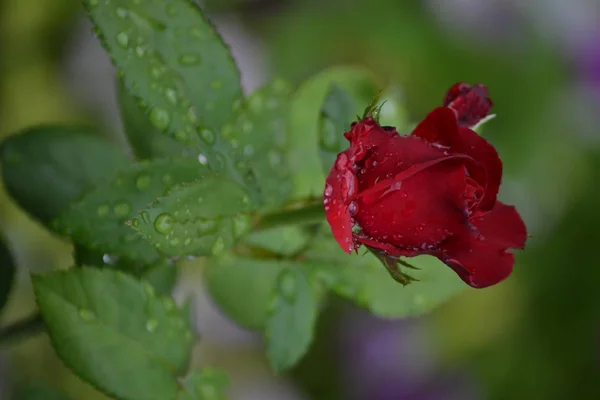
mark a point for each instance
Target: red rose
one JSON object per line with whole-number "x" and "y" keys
{"x": 470, "y": 103}
{"x": 431, "y": 192}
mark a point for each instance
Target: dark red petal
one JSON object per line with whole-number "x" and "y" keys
{"x": 340, "y": 190}
{"x": 471, "y": 103}
{"x": 418, "y": 212}
{"x": 479, "y": 255}
{"x": 440, "y": 129}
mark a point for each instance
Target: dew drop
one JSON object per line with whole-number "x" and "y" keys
{"x": 197, "y": 33}
{"x": 123, "y": 40}
{"x": 171, "y": 96}
{"x": 247, "y": 127}
{"x": 103, "y": 210}
{"x": 156, "y": 72}
{"x": 206, "y": 226}
{"x": 241, "y": 225}
{"x": 86, "y": 314}
{"x": 140, "y": 51}
{"x": 164, "y": 223}
{"x": 208, "y": 136}
{"x": 181, "y": 135}
{"x": 189, "y": 59}
{"x": 248, "y": 150}
{"x": 202, "y": 159}
{"x": 121, "y": 12}
{"x": 328, "y": 190}
{"x": 145, "y": 217}
{"x": 187, "y": 241}
{"x": 110, "y": 260}
{"x": 175, "y": 242}
{"x": 168, "y": 303}
{"x": 287, "y": 285}
{"x": 143, "y": 182}
{"x": 122, "y": 209}
{"x": 218, "y": 246}
{"x": 274, "y": 158}
{"x": 191, "y": 116}
{"x": 151, "y": 325}
{"x": 160, "y": 118}
{"x": 353, "y": 208}
{"x": 135, "y": 222}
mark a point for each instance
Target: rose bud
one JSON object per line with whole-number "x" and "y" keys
{"x": 470, "y": 103}
{"x": 431, "y": 192}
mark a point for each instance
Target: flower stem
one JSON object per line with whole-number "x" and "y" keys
{"x": 21, "y": 329}
{"x": 311, "y": 212}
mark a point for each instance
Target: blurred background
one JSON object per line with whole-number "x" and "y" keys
{"x": 535, "y": 336}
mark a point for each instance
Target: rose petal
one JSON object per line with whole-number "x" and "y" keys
{"x": 480, "y": 258}
{"x": 340, "y": 189}
{"x": 440, "y": 128}
{"x": 418, "y": 212}
{"x": 471, "y": 103}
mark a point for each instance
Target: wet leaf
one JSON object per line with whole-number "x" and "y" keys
{"x": 197, "y": 219}
{"x": 98, "y": 219}
{"x": 7, "y": 274}
{"x": 47, "y": 168}
{"x": 204, "y": 384}
{"x": 114, "y": 332}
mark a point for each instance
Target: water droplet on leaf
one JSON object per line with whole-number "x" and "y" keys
{"x": 218, "y": 246}
{"x": 86, "y": 314}
{"x": 164, "y": 223}
{"x": 171, "y": 96}
{"x": 208, "y": 136}
{"x": 241, "y": 224}
{"x": 123, "y": 40}
{"x": 189, "y": 59}
{"x": 108, "y": 259}
{"x": 151, "y": 325}
{"x": 202, "y": 159}
{"x": 143, "y": 182}
{"x": 122, "y": 209}
{"x": 103, "y": 210}
{"x": 160, "y": 118}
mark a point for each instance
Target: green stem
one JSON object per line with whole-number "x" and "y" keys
{"x": 21, "y": 329}
{"x": 312, "y": 212}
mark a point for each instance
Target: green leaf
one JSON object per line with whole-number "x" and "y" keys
{"x": 98, "y": 219}
{"x": 242, "y": 287}
{"x": 292, "y": 317}
{"x": 145, "y": 139}
{"x": 170, "y": 58}
{"x": 205, "y": 384}
{"x": 364, "y": 280}
{"x": 338, "y": 112}
{"x": 259, "y": 132}
{"x": 392, "y": 111}
{"x": 198, "y": 219}
{"x": 7, "y": 273}
{"x": 304, "y": 122}
{"x": 114, "y": 332}
{"x": 47, "y": 168}
{"x": 38, "y": 392}
{"x": 162, "y": 275}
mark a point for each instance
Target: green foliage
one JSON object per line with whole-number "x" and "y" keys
{"x": 305, "y": 122}
{"x": 7, "y": 273}
{"x": 242, "y": 287}
{"x": 259, "y": 130}
{"x": 363, "y": 280}
{"x": 171, "y": 59}
{"x": 47, "y": 168}
{"x": 115, "y": 332}
{"x": 205, "y": 384}
{"x": 98, "y": 219}
{"x": 198, "y": 219}
{"x": 146, "y": 140}
{"x": 292, "y": 315}
{"x": 338, "y": 112}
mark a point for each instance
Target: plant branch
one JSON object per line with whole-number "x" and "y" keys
{"x": 21, "y": 329}
{"x": 304, "y": 214}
